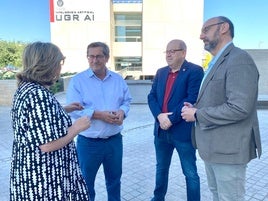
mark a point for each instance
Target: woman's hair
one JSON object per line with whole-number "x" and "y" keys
{"x": 41, "y": 63}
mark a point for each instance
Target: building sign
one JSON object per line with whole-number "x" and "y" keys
{"x": 67, "y": 11}
{"x": 74, "y": 16}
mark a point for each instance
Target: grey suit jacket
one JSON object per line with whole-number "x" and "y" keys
{"x": 227, "y": 128}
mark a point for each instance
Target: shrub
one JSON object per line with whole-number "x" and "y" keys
{"x": 7, "y": 75}
{"x": 57, "y": 87}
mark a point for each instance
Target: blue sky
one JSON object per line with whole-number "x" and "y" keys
{"x": 28, "y": 20}
{"x": 249, "y": 17}
{"x": 24, "y": 20}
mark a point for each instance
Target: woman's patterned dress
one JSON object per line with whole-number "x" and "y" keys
{"x": 37, "y": 119}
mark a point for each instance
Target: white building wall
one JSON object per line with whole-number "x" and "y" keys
{"x": 73, "y": 35}
{"x": 163, "y": 20}
{"x": 166, "y": 20}
{"x": 125, "y": 49}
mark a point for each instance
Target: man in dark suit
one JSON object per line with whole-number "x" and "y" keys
{"x": 173, "y": 85}
{"x": 227, "y": 132}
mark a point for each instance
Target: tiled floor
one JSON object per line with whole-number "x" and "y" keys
{"x": 139, "y": 162}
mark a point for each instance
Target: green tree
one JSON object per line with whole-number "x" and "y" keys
{"x": 11, "y": 53}
{"x": 206, "y": 60}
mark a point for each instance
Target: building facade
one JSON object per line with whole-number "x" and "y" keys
{"x": 260, "y": 58}
{"x": 136, "y": 31}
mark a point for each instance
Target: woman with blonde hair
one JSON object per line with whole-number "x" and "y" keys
{"x": 44, "y": 163}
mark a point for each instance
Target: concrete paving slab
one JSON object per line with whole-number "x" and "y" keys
{"x": 139, "y": 161}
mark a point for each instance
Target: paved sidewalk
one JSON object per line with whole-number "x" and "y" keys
{"x": 139, "y": 161}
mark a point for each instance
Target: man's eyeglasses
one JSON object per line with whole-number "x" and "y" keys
{"x": 172, "y": 51}
{"x": 99, "y": 56}
{"x": 207, "y": 28}
{"x": 62, "y": 61}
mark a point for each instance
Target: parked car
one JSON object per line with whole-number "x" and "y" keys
{"x": 12, "y": 68}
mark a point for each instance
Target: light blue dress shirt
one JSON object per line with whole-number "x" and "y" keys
{"x": 109, "y": 94}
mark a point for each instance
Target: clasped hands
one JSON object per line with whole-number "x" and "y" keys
{"x": 114, "y": 117}
{"x": 187, "y": 112}
{"x": 164, "y": 121}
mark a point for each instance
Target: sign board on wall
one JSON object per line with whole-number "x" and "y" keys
{"x": 76, "y": 23}
{"x": 79, "y": 10}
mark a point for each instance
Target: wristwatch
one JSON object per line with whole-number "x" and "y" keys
{"x": 195, "y": 116}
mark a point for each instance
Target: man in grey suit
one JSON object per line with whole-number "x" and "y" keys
{"x": 226, "y": 131}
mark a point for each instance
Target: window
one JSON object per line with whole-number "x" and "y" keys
{"x": 128, "y": 27}
{"x": 128, "y": 63}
